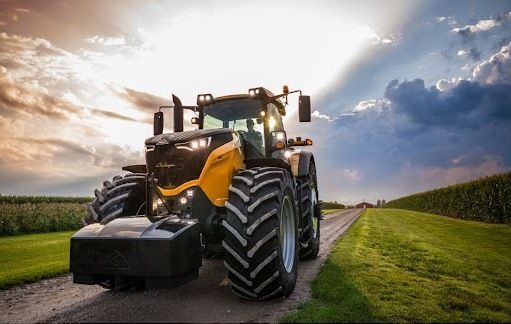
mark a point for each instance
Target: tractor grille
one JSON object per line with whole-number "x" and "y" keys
{"x": 173, "y": 167}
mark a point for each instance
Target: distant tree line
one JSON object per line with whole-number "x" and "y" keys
{"x": 332, "y": 205}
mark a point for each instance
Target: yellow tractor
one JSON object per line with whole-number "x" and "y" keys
{"x": 236, "y": 187}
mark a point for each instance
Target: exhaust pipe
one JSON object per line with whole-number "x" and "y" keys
{"x": 178, "y": 114}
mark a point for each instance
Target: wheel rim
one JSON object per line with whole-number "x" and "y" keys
{"x": 287, "y": 234}
{"x": 315, "y": 223}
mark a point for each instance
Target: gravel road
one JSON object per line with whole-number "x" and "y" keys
{"x": 207, "y": 299}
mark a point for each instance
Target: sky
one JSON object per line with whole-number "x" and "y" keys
{"x": 406, "y": 95}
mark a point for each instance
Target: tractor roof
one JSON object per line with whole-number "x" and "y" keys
{"x": 277, "y": 102}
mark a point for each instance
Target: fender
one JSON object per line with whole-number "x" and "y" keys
{"x": 267, "y": 162}
{"x": 300, "y": 162}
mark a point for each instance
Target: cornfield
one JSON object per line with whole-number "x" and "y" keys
{"x": 40, "y": 217}
{"x": 42, "y": 199}
{"x": 487, "y": 199}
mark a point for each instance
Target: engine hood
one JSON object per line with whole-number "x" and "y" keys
{"x": 173, "y": 166}
{"x": 172, "y": 138}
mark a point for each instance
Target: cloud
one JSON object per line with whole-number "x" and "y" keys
{"x": 496, "y": 70}
{"x": 376, "y": 38}
{"x": 22, "y": 99}
{"x": 110, "y": 114}
{"x": 445, "y": 19}
{"x": 56, "y": 166}
{"x": 61, "y": 157}
{"x": 468, "y": 32}
{"x": 59, "y": 122}
{"x": 474, "y": 53}
{"x": 482, "y": 25}
{"x": 372, "y": 104}
{"x": 317, "y": 114}
{"x": 16, "y": 98}
{"x": 106, "y": 41}
{"x": 351, "y": 175}
{"x": 143, "y": 100}
{"x": 23, "y": 10}
{"x": 467, "y": 104}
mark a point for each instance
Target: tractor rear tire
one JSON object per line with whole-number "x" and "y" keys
{"x": 123, "y": 196}
{"x": 261, "y": 234}
{"x": 311, "y": 215}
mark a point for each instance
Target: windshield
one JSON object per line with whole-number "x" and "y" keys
{"x": 243, "y": 115}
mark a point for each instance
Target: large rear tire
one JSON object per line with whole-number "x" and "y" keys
{"x": 311, "y": 215}
{"x": 260, "y": 241}
{"x": 123, "y": 196}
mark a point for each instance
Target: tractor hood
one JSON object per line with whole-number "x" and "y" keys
{"x": 173, "y": 138}
{"x": 174, "y": 164}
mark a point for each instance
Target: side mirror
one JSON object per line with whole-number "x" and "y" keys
{"x": 158, "y": 123}
{"x": 304, "y": 108}
{"x": 178, "y": 114}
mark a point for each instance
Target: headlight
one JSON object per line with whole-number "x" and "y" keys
{"x": 197, "y": 144}
{"x": 204, "y": 99}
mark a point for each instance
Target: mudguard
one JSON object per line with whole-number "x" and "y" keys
{"x": 164, "y": 254}
{"x": 300, "y": 162}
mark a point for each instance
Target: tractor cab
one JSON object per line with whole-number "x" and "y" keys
{"x": 253, "y": 119}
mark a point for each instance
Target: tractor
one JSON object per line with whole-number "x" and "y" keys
{"x": 236, "y": 187}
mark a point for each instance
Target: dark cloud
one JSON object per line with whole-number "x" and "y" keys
{"x": 466, "y": 34}
{"x": 474, "y": 53}
{"x": 468, "y": 104}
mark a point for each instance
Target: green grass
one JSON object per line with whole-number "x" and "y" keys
{"x": 329, "y": 211}
{"x": 27, "y": 258}
{"x": 404, "y": 266}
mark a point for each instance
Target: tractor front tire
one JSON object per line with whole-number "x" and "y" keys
{"x": 123, "y": 196}
{"x": 261, "y": 234}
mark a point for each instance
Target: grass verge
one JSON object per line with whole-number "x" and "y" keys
{"x": 27, "y": 258}
{"x": 403, "y": 266}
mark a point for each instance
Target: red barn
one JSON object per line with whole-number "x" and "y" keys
{"x": 364, "y": 205}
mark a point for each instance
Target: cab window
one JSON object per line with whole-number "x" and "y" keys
{"x": 274, "y": 118}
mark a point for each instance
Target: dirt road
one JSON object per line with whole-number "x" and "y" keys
{"x": 207, "y": 299}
